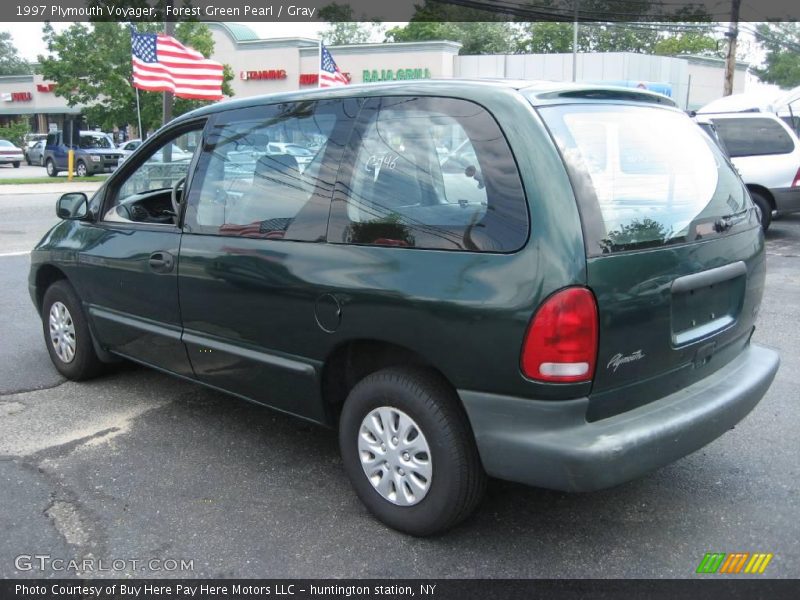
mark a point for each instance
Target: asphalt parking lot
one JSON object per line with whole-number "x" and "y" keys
{"x": 139, "y": 466}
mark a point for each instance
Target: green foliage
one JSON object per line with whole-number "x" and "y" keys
{"x": 14, "y": 132}
{"x": 10, "y": 61}
{"x": 782, "y": 62}
{"x": 91, "y": 66}
{"x": 490, "y": 33}
{"x": 478, "y": 37}
{"x": 643, "y": 234}
{"x": 343, "y": 28}
{"x": 664, "y": 39}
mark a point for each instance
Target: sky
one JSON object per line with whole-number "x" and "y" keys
{"x": 28, "y": 36}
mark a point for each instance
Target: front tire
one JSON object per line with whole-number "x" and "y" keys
{"x": 66, "y": 333}
{"x": 409, "y": 451}
{"x": 764, "y": 208}
{"x": 51, "y": 167}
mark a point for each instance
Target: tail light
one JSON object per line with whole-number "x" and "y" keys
{"x": 796, "y": 182}
{"x": 561, "y": 343}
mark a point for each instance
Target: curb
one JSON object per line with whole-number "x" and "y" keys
{"x": 16, "y": 189}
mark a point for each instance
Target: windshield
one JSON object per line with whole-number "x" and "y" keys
{"x": 6, "y": 144}
{"x": 94, "y": 141}
{"x": 645, "y": 176}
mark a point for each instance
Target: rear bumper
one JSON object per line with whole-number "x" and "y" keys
{"x": 787, "y": 200}
{"x": 550, "y": 444}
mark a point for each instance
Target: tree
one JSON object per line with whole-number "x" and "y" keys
{"x": 666, "y": 39}
{"x": 10, "y": 61}
{"x": 15, "y": 132}
{"x": 475, "y": 37}
{"x": 343, "y": 28}
{"x": 91, "y": 67}
{"x": 782, "y": 61}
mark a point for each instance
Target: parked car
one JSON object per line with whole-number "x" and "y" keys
{"x": 581, "y": 317}
{"x": 94, "y": 153}
{"x": 128, "y": 147}
{"x": 176, "y": 153}
{"x": 29, "y": 141}
{"x": 766, "y": 152}
{"x": 10, "y": 154}
{"x": 36, "y": 154}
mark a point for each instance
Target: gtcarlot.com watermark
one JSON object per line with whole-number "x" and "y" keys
{"x": 48, "y": 563}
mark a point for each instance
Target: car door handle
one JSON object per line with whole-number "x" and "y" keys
{"x": 161, "y": 262}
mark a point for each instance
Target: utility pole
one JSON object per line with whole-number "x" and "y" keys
{"x": 577, "y": 4}
{"x": 169, "y": 27}
{"x": 730, "y": 60}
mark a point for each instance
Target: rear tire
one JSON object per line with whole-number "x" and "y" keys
{"x": 81, "y": 170}
{"x": 51, "y": 167}
{"x": 16, "y": 165}
{"x": 764, "y": 208}
{"x": 66, "y": 333}
{"x": 426, "y": 403}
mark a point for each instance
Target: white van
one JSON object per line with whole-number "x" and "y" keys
{"x": 766, "y": 152}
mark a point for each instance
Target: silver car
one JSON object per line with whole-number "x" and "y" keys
{"x": 36, "y": 154}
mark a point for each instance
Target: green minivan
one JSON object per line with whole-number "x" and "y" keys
{"x": 553, "y": 284}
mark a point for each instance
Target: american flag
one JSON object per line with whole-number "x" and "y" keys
{"x": 329, "y": 73}
{"x": 162, "y": 64}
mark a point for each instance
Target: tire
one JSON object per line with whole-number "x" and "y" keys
{"x": 52, "y": 171}
{"x": 28, "y": 160}
{"x": 764, "y": 208}
{"x": 81, "y": 170}
{"x": 83, "y": 363}
{"x": 16, "y": 165}
{"x": 456, "y": 478}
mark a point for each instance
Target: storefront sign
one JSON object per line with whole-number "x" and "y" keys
{"x": 16, "y": 97}
{"x": 260, "y": 75}
{"x": 313, "y": 78}
{"x": 46, "y": 87}
{"x": 391, "y": 75}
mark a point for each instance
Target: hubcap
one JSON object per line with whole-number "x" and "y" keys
{"x": 395, "y": 456}
{"x": 81, "y": 170}
{"x": 62, "y": 332}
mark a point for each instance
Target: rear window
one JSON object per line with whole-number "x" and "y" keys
{"x": 754, "y": 137}
{"x": 92, "y": 142}
{"x": 645, "y": 177}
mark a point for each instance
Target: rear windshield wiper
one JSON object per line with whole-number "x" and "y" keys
{"x": 725, "y": 222}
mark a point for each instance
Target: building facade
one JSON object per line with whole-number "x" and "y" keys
{"x": 31, "y": 99}
{"x": 265, "y": 66}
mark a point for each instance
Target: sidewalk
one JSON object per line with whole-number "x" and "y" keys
{"x": 59, "y": 187}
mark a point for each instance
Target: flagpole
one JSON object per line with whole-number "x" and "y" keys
{"x": 319, "y": 64}
{"x": 139, "y": 114}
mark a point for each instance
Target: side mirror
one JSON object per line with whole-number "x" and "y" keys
{"x": 73, "y": 206}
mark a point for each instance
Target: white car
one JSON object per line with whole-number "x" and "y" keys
{"x": 177, "y": 153}
{"x": 10, "y": 154}
{"x": 766, "y": 152}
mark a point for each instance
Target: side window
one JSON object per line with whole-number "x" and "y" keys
{"x": 269, "y": 171}
{"x": 754, "y": 137}
{"x": 430, "y": 173}
{"x": 145, "y": 195}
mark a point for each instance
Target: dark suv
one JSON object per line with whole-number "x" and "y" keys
{"x": 94, "y": 153}
{"x": 549, "y": 284}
